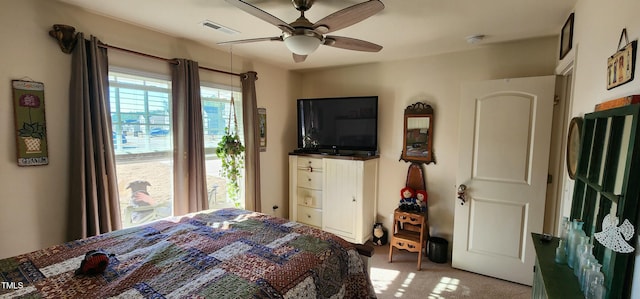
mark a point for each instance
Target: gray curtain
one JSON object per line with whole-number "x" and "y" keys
{"x": 93, "y": 195}
{"x": 189, "y": 182}
{"x": 252, "y": 141}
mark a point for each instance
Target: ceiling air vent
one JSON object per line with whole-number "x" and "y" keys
{"x": 219, "y": 27}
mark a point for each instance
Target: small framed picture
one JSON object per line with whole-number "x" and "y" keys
{"x": 262, "y": 123}
{"x": 566, "y": 37}
{"x": 621, "y": 65}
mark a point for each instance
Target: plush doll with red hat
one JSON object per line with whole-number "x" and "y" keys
{"x": 407, "y": 198}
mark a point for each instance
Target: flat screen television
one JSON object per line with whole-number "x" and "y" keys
{"x": 346, "y": 123}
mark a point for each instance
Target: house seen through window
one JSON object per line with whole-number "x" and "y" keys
{"x": 141, "y": 119}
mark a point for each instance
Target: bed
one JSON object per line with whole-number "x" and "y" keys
{"x": 227, "y": 253}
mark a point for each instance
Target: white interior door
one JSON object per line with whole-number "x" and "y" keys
{"x": 505, "y": 129}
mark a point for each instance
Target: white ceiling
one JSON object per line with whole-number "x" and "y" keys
{"x": 405, "y": 28}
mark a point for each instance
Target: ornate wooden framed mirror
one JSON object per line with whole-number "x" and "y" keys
{"x": 417, "y": 141}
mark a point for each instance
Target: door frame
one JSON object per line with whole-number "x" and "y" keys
{"x": 561, "y": 195}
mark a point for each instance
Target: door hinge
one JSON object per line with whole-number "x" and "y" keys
{"x": 556, "y": 100}
{"x": 549, "y": 178}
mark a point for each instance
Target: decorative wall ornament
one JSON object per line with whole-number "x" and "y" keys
{"x": 66, "y": 36}
{"x": 615, "y": 237}
{"x": 31, "y": 128}
{"x": 574, "y": 139}
{"x": 417, "y": 144}
{"x": 621, "y": 65}
{"x": 262, "y": 123}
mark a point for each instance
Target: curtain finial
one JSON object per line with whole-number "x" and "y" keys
{"x": 249, "y": 74}
{"x": 66, "y": 36}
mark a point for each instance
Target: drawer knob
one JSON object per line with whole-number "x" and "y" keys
{"x": 310, "y": 169}
{"x": 308, "y": 216}
{"x": 309, "y": 179}
{"x": 308, "y": 200}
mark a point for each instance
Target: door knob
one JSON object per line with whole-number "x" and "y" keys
{"x": 462, "y": 189}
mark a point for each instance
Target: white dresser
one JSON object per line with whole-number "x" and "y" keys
{"x": 335, "y": 193}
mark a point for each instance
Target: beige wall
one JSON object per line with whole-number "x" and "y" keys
{"x": 435, "y": 80}
{"x": 33, "y": 200}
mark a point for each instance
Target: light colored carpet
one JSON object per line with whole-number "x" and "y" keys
{"x": 400, "y": 279}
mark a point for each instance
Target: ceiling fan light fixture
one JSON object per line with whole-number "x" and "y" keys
{"x": 302, "y": 44}
{"x": 302, "y": 37}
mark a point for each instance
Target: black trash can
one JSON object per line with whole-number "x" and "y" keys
{"x": 438, "y": 249}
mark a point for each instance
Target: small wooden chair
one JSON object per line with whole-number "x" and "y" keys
{"x": 410, "y": 229}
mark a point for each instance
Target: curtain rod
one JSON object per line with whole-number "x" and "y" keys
{"x": 173, "y": 61}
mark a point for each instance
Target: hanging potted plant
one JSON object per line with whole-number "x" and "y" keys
{"x": 231, "y": 152}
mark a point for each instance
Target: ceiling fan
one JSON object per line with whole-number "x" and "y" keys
{"x": 302, "y": 37}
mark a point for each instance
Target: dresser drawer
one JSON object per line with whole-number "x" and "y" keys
{"x": 310, "y": 198}
{"x": 311, "y": 180}
{"x": 305, "y": 163}
{"x": 309, "y": 216}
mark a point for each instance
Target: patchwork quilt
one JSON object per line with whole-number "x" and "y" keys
{"x": 227, "y": 253}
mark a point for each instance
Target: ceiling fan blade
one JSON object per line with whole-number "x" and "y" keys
{"x": 351, "y": 44}
{"x": 299, "y": 58}
{"x": 348, "y": 16}
{"x": 261, "y": 14}
{"x": 252, "y": 40}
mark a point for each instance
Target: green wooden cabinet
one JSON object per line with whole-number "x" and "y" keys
{"x": 607, "y": 181}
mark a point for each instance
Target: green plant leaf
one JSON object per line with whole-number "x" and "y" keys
{"x": 35, "y": 130}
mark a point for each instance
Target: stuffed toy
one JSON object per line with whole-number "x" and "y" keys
{"x": 94, "y": 262}
{"x": 379, "y": 234}
{"x": 407, "y": 198}
{"x": 421, "y": 200}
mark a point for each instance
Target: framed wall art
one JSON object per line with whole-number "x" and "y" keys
{"x": 31, "y": 127}
{"x": 566, "y": 37}
{"x": 621, "y": 65}
{"x": 262, "y": 123}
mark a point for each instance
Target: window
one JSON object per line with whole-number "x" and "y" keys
{"x": 216, "y": 105}
{"x": 141, "y": 124}
{"x": 141, "y": 129}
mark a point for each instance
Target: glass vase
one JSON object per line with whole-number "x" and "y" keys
{"x": 574, "y": 238}
{"x": 590, "y": 277}
{"x": 583, "y": 251}
{"x": 596, "y": 288}
{"x": 561, "y": 252}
